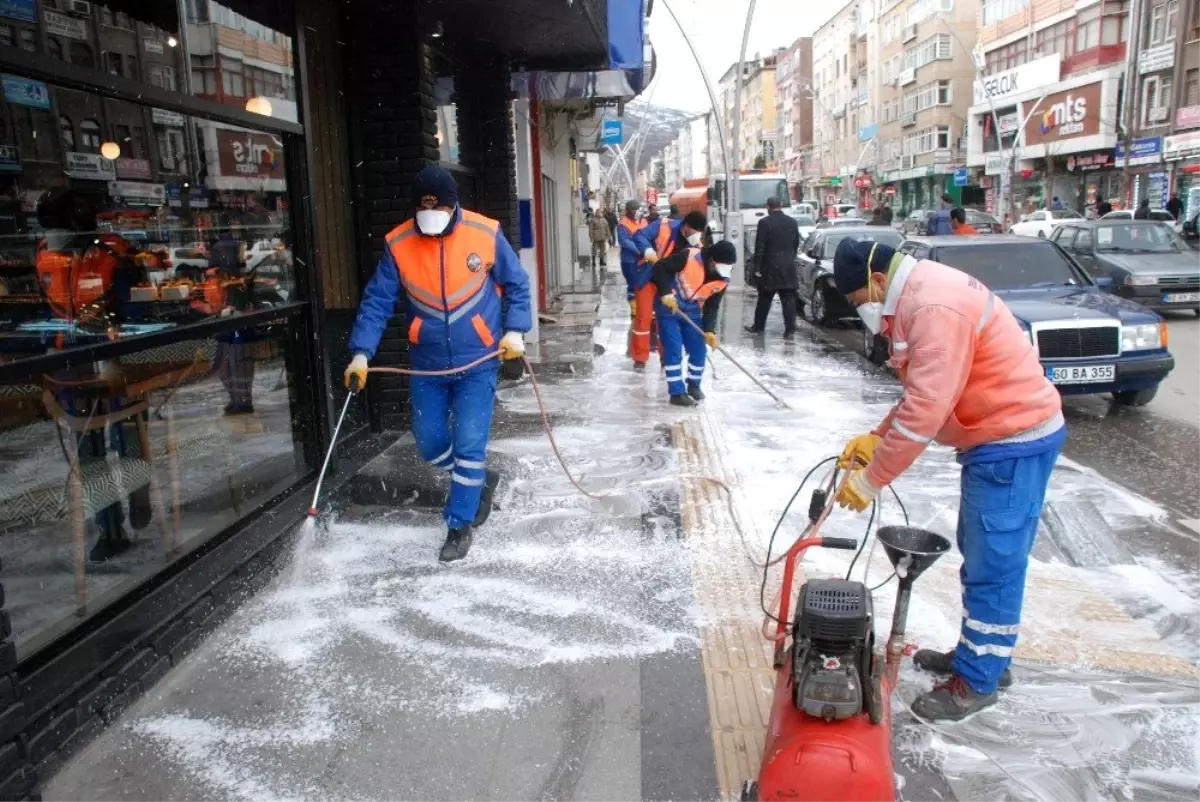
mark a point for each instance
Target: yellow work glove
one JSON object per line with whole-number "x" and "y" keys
{"x": 633, "y": 306}
{"x": 858, "y": 492}
{"x": 512, "y": 345}
{"x": 670, "y": 302}
{"x": 711, "y": 339}
{"x": 860, "y": 450}
{"x": 355, "y": 377}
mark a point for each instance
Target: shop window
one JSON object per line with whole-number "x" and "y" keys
{"x": 89, "y": 136}
{"x": 81, "y": 55}
{"x": 67, "y": 131}
{"x": 54, "y": 48}
{"x": 446, "y": 102}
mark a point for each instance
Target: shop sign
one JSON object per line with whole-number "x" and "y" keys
{"x": 1089, "y": 162}
{"x": 1065, "y": 115}
{"x": 18, "y": 9}
{"x": 1156, "y": 58}
{"x": 170, "y": 118}
{"x": 995, "y": 165}
{"x": 960, "y": 177}
{"x": 862, "y": 182}
{"x": 1037, "y": 74}
{"x": 153, "y": 46}
{"x": 1008, "y": 123}
{"x": 133, "y": 168}
{"x": 10, "y": 159}
{"x": 89, "y": 166}
{"x": 1143, "y": 150}
{"x": 24, "y": 92}
{"x": 1181, "y": 146}
{"x": 62, "y": 25}
{"x": 137, "y": 193}
{"x": 249, "y": 154}
{"x": 197, "y": 196}
{"x": 1188, "y": 117}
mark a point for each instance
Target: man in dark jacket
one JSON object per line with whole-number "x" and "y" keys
{"x": 1175, "y": 205}
{"x": 1143, "y": 210}
{"x": 775, "y": 246}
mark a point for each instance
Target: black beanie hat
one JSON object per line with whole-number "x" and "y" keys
{"x": 850, "y": 268}
{"x": 722, "y": 252}
{"x": 696, "y": 221}
{"x": 438, "y": 182}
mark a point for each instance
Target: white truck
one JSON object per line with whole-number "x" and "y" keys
{"x": 753, "y": 191}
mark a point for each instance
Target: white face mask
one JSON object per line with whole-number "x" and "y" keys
{"x": 725, "y": 271}
{"x": 694, "y": 239}
{"x": 432, "y": 221}
{"x": 872, "y": 316}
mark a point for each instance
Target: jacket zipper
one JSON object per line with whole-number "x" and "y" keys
{"x": 445, "y": 304}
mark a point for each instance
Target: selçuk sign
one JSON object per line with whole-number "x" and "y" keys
{"x": 1034, "y": 75}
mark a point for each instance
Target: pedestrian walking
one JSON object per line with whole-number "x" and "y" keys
{"x": 462, "y": 285}
{"x": 598, "y": 232}
{"x": 972, "y": 381}
{"x": 1175, "y": 205}
{"x": 611, "y": 217}
{"x": 690, "y": 282}
{"x": 776, "y": 243}
{"x": 1143, "y": 210}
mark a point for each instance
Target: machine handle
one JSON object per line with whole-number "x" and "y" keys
{"x": 839, "y": 543}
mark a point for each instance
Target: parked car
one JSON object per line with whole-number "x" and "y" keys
{"x": 184, "y": 262}
{"x": 806, "y": 224}
{"x": 840, "y": 222}
{"x": 1190, "y": 230}
{"x": 984, "y": 222}
{"x": 914, "y": 224}
{"x": 815, "y": 268}
{"x": 1088, "y": 339}
{"x": 1146, "y": 260}
{"x": 1042, "y": 222}
{"x": 265, "y": 251}
{"x": 1127, "y": 214}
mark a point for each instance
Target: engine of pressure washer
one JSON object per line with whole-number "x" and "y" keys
{"x": 832, "y": 649}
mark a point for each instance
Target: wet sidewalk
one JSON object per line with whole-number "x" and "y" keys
{"x": 610, "y": 649}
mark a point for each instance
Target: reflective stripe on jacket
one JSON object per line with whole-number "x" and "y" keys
{"x": 453, "y": 286}
{"x": 970, "y": 373}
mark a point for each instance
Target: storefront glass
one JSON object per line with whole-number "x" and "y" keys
{"x": 155, "y": 382}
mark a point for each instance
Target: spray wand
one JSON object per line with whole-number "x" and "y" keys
{"x": 354, "y": 388}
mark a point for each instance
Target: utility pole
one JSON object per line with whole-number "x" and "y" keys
{"x": 1129, "y": 114}
{"x": 733, "y": 214}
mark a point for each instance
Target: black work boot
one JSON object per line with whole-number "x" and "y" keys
{"x": 458, "y": 543}
{"x": 639, "y": 367}
{"x": 485, "y": 498}
{"x": 109, "y": 545}
{"x": 682, "y": 400}
{"x": 695, "y": 392}
{"x": 752, "y": 330}
{"x": 939, "y": 663}
{"x": 952, "y": 700}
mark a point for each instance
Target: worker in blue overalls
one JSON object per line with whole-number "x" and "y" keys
{"x": 690, "y": 283}
{"x": 453, "y": 268}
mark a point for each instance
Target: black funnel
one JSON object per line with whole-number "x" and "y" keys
{"x": 911, "y": 550}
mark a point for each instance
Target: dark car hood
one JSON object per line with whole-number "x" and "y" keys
{"x": 1143, "y": 264}
{"x": 1073, "y": 303}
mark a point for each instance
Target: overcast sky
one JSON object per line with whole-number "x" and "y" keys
{"x": 715, "y": 28}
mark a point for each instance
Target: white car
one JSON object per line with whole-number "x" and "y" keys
{"x": 263, "y": 250}
{"x": 1042, "y": 222}
{"x": 1161, "y": 215}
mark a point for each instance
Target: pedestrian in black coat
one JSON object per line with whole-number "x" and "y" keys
{"x": 776, "y": 244}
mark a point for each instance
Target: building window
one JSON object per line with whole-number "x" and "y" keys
{"x": 113, "y": 62}
{"x": 81, "y": 55}
{"x": 1156, "y": 100}
{"x": 1112, "y": 29}
{"x": 1194, "y": 30}
{"x": 1191, "y": 88}
{"x": 943, "y": 93}
{"x": 162, "y": 76}
{"x": 995, "y": 10}
{"x": 204, "y": 75}
{"x": 1172, "y": 18}
{"x": 106, "y": 15}
{"x": 28, "y": 40}
{"x": 67, "y": 132}
{"x": 123, "y": 21}
{"x": 943, "y": 138}
{"x": 1087, "y": 29}
{"x": 6, "y": 36}
{"x": 89, "y": 136}
{"x": 231, "y": 78}
{"x": 54, "y": 48}
{"x": 1157, "y": 25}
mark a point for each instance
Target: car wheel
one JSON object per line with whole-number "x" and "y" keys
{"x": 869, "y": 349}
{"x": 819, "y": 306}
{"x": 1135, "y": 398}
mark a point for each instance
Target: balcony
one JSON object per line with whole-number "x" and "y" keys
{"x": 910, "y": 33}
{"x": 908, "y": 76}
{"x": 1093, "y": 58}
{"x": 908, "y": 119}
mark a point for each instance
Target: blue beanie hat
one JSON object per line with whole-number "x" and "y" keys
{"x": 438, "y": 182}
{"x": 850, "y": 269}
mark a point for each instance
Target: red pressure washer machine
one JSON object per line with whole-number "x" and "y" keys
{"x": 830, "y": 732}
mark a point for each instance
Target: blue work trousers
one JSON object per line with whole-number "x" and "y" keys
{"x": 676, "y": 337}
{"x": 452, "y": 416}
{"x": 998, "y": 517}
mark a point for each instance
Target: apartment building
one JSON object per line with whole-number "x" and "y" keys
{"x": 794, "y": 110}
{"x": 1048, "y": 120}
{"x": 839, "y": 58}
{"x": 926, "y": 72}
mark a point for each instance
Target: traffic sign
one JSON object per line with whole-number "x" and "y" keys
{"x": 830, "y": 199}
{"x": 890, "y": 191}
{"x": 835, "y": 181}
{"x": 960, "y": 177}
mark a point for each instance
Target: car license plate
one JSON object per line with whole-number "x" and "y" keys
{"x": 1083, "y": 374}
{"x": 1181, "y": 297}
